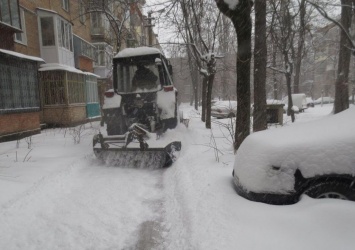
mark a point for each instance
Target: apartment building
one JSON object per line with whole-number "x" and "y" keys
{"x": 56, "y": 59}
{"x": 46, "y": 66}
{"x": 19, "y": 87}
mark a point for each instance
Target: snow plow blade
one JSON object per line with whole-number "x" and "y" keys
{"x": 130, "y": 150}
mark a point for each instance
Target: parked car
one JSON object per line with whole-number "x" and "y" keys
{"x": 310, "y": 102}
{"x": 298, "y": 100}
{"x": 316, "y": 158}
{"x": 224, "y": 109}
{"x": 326, "y": 99}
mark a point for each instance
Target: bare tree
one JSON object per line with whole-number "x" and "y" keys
{"x": 240, "y": 17}
{"x": 341, "y": 101}
{"x": 260, "y": 59}
{"x": 284, "y": 37}
{"x": 300, "y": 47}
{"x": 346, "y": 48}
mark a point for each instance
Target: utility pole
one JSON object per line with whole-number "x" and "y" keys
{"x": 150, "y": 28}
{"x": 151, "y": 24}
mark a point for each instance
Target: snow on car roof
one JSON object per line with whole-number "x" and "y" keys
{"x": 225, "y": 103}
{"x": 13, "y": 53}
{"x": 274, "y": 101}
{"x": 325, "y": 146}
{"x": 130, "y": 52}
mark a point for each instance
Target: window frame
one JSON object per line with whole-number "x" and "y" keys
{"x": 12, "y": 9}
{"x": 82, "y": 12}
{"x": 65, "y": 34}
{"x": 53, "y": 30}
{"x": 23, "y": 35}
{"x": 65, "y": 5}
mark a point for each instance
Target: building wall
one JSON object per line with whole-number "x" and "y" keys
{"x": 6, "y": 38}
{"x": 31, "y": 25}
{"x": 64, "y": 115}
{"x": 32, "y": 47}
{"x": 18, "y": 122}
{"x": 86, "y": 64}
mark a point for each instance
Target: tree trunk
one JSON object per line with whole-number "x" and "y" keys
{"x": 341, "y": 101}
{"x": 208, "y": 100}
{"x": 260, "y": 57}
{"x": 274, "y": 77}
{"x": 196, "y": 87}
{"x": 296, "y": 81}
{"x": 204, "y": 98}
{"x": 241, "y": 20}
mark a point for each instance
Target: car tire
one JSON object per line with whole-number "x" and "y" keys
{"x": 332, "y": 189}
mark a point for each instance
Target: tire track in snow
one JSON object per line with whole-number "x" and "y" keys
{"x": 84, "y": 206}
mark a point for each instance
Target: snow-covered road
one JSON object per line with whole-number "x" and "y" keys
{"x": 57, "y": 195}
{"x": 77, "y": 203}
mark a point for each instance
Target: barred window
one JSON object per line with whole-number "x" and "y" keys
{"x": 91, "y": 90}
{"x": 18, "y": 91}
{"x": 76, "y": 88}
{"x": 53, "y": 87}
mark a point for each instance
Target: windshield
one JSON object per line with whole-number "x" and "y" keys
{"x": 137, "y": 77}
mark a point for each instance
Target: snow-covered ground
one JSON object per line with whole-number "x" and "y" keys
{"x": 56, "y": 195}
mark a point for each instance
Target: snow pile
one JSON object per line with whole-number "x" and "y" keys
{"x": 206, "y": 212}
{"x": 166, "y": 102}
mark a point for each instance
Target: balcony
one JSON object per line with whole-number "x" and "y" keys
{"x": 83, "y": 48}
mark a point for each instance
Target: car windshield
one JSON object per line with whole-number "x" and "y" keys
{"x": 137, "y": 77}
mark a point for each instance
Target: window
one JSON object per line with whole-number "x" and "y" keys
{"x": 53, "y": 87}
{"x": 91, "y": 90}
{"x": 18, "y": 91}
{"x": 47, "y": 30}
{"x": 65, "y": 36}
{"x": 96, "y": 23}
{"x": 65, "y": 4}
{"x": 103, "y": 55}
{"x": 15, "y": 17}
{"x": 76, "y": 88}
{"x": 22, "y": 37}
{"x": 82, "y": 12}
{"x": 10, "y": 13}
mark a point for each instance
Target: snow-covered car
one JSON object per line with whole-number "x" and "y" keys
{"x": 316, "y": 158}
{"x": 298, "y": 100}
{"x": 310, "y": 102}
{"x": 325, "y": 99}
{"x": 224, "y": 109}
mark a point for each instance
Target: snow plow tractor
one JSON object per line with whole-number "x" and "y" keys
{"x": 138, "y": 110}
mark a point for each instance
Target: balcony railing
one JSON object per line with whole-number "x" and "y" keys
{"x": 84, "y": 48}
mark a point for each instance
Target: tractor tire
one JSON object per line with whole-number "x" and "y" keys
{"x": 332, "y": 189}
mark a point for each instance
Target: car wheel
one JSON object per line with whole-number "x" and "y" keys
{"x": 332, "y": 189}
